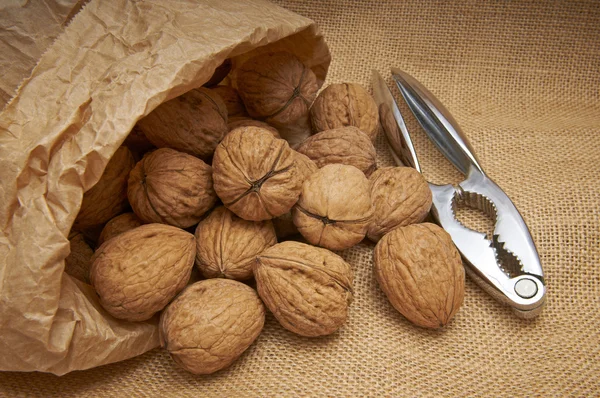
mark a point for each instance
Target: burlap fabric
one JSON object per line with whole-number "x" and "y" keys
{"x": 522, "y": 79}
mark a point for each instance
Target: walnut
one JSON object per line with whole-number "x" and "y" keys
{"x": 334, "y": 208}
{"x": 245, "y": 122}
{"x": 401, "y": 196}
{"x": 108, "y": 197}
{"x": 345, "y": 145}
{"x": 345, "y": 104}
{"x": 193, "y": 123}
{"x": 421, "y": 273}
{"x": 171, "y": 187}
{"x": 219, "y": 74}
{"x": 137, "y": 142}
{"x": 226, "y": 245}
{"x": 138, "y": 272}
{"x": 118, "y": 225}
{"x": 255, "y": 174}
{"x": 210, "y": 324}
{"x": 231, "y": 99}
{"x": 278, "y": 88}
{"x": 77, "y": 263}
{"x": 307, "y": 288}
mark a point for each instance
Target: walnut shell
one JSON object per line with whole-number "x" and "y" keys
{"x": 279, "y": 89}
{"x": 307, "y": 288}
{"x": 193, "y": 123}
{"x": 108, "y": 197}
{"x": 255, "y": 174}
{"x": 77, "y": 263}
{"x": 344, "y": 145}
{"x": 334, "y": 208}
{"x": 210, "y": 324}
{"x": 171, "y": 187}
{"x": 231, "y": 99}
{"x": 137, "y": 142}
{"x": 421, "y": 273}
{"x": 401, "y": 196}
{"x": 118, "y": 225}
{"x": 137, "y": 273}
{"x": 345, "y": 104}
{"x": 245, "y": 122}
{"x": 226, "y": 245}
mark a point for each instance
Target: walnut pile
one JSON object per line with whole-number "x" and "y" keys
{"x": 345, "y": 104}
{"x": 421, "y": 272}
{"x": 217, "y": 176}
{"x": 211, "y": 324}
{"x": 307, "y": 288}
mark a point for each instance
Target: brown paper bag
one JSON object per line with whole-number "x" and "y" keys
{"x": 115, "y": 62}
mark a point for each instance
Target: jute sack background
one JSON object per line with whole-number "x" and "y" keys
{"x": 522, "y": 80}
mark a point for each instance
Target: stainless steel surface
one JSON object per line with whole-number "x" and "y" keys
{"x": 506, "y": 265}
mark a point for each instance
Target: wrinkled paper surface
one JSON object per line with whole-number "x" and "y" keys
{"x": 113, "y": 64}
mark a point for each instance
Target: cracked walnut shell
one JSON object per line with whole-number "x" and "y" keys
{"x": 420, "y": 271}
{"x": 138, "y": 272}
{"x": 193, "y": 123}
{"x": 226, "y": 245}
{"x": 108, "y": 197}
{"x": 171, "y": 187}
{"x": 255, "y": 174}
{"x": 334, "y": 208}
{"x": 344, "y": 145}
{"x": 307, "y": 288}
{"x": 345, "y": 104}
{"x": 210, "y": 324}
{"x": 401, "y": 196}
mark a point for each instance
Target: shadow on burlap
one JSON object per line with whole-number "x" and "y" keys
{"x": 522, "y": 80}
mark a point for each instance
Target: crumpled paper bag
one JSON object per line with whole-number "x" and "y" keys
{"x": 114, "y": 63}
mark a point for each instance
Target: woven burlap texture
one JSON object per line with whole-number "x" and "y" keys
{"x": 522, "y": 79}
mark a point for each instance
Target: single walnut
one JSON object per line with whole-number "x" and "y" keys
{"x": 231, "y": 99}
{"x": 77, "y": 263}
{"x": 108, "y": 197}
{"x": 279, "y": 89}
{"x": 210, "y": 324}
{"x": 345, "y": 104}
{"x": 421, "y": 273}
{"x": 344, "y": 145}
{"x": 255, "y": 174}
{"x": 334, "y": 208}
{"x": 193, "y": 123}
{"x": 137, "y": 273}
{"x": 226, "y": 245}
{"x": 118, "y": 225}
{"x": 245, "y": 122}
{"x": 308, "y": 289}
{"x": 171, "y": 187}
{"x": 401, "y": 196}
{"x": 284, "y": 224}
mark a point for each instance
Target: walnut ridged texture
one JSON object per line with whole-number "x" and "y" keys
{"x": 255, "y": 174}
{"x": 308, "y": 289}
{"x": 137, "y": 273}
{"x": 231, "y": 99}
{"x": 118, "y": 225}
{"x": 171, "y": 187}
{"x": 335, "y": 207}
{"x": 227, "y": 245}
{"x": 79, "y": 260}
{"x": 420, "y": 271}
{"x": 210, "y": 324}
{"x": 240, "y": 121}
